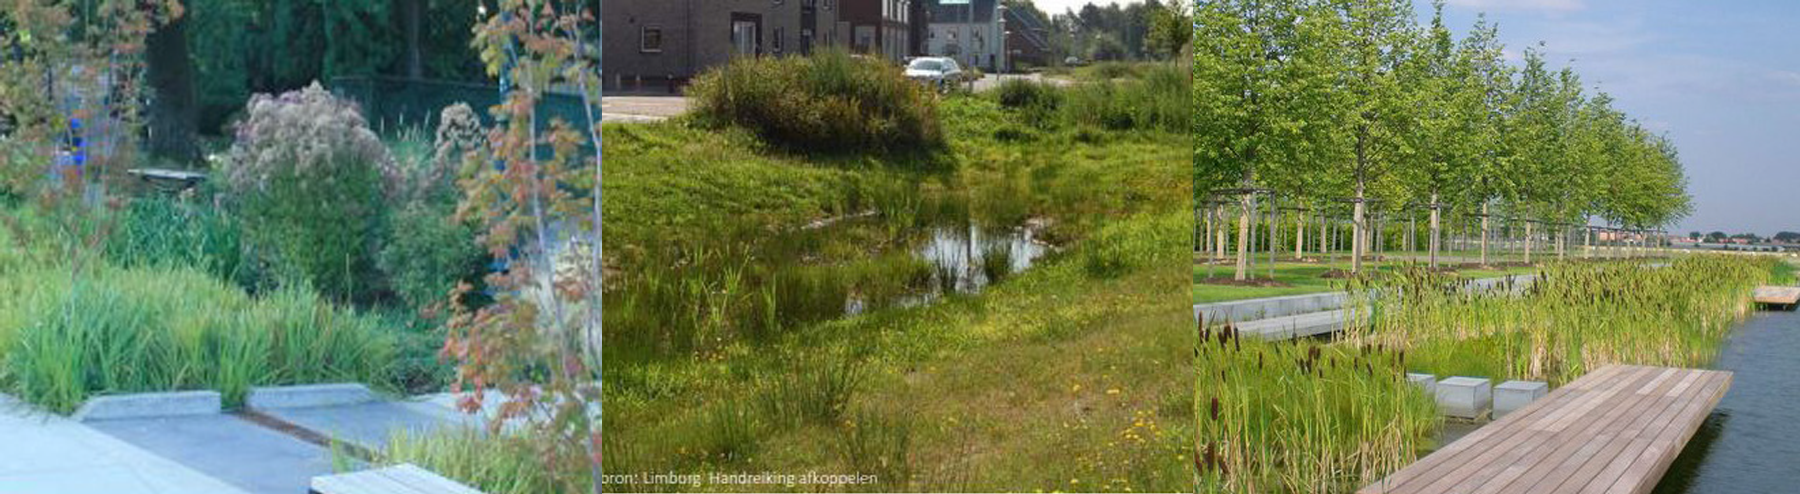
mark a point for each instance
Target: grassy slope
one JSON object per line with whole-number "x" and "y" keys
{"x": 1056, "y": 379}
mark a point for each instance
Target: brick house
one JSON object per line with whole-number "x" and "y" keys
{"x": 659, "y": 45}
{"x": 986, "y": 34}
{"x": 879, "y": 27}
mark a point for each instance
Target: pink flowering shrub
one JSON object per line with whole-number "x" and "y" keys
{"x": 312, "y": 183}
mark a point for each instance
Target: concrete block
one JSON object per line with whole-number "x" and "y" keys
{"x": 1510, "y": 396}
{"x": 1465, "y": 397}
{"x": 147, "y": 405}
{"x": 1427, "y": 381}
{"x": 309, "y": 395}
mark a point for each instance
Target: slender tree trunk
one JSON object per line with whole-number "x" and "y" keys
{"x": 174, "y": 113}
{"x": 1324, "y": 234}
{"x": 1527, "y": 242}
{"x": 1219, "y": 234}
{"x": 1434, "y": 230}
{"x": 1484, "y": 233}
{"x": 1243, "y": 246}
{"x": 1357, "y": 232}
{"x": 1300, "y": 235}
{"x": 412, "y": 22}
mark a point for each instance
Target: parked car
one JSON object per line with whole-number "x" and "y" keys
{"x": 938, "y": 72}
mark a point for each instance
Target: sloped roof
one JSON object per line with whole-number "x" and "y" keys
{"x": 982, "y": 9}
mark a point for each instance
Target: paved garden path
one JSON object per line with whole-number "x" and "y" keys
{"x": 50, "y": 454}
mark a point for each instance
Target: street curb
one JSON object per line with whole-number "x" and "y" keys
{"x": 309, "y": 395}
{"x": 149, "y": 405}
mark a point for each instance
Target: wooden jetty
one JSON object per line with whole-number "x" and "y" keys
{"x": 1777, "y": 296}
{"x": 1614, "y": 430}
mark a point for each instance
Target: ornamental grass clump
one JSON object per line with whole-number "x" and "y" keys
{"x": 310, "y": 181}
{"x": 827, "y": 102}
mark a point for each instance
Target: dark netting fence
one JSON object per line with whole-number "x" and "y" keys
{"x": 394, "y": 103}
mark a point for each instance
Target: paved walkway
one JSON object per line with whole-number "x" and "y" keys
{"x": 50, "y": 454}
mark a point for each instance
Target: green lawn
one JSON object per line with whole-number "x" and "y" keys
{"x": 1300, "y": 278}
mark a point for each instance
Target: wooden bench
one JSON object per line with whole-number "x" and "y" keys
{"x": 1614, "y": 430}
{"x": 169, "y": 180}
{"x": 398, "y": 479}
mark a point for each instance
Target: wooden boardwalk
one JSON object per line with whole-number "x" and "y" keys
{"x": 1614, "y": 430}
{"x": 1777, "y": 295}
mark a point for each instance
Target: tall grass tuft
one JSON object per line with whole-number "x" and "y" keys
{"x": 117, "y": 330}
{"x": 827, "y": 102}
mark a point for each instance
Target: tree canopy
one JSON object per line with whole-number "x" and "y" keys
{"x": 1332, "y": 98}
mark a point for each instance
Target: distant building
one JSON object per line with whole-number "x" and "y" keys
{"x": 879, "y": 27}
{"x": 1027, "y": 40}
{"x": 986, "y": 34}
{"x": 657, "y": 45}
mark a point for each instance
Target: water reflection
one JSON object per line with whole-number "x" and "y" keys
{"x": 1751, "y": 442}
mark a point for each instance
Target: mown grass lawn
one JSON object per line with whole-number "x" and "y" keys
{"x": 1301, "y": 278}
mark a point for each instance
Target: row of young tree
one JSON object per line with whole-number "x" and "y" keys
{"x": 1332, "y": 101}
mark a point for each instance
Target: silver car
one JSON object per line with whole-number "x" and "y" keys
{"x": 937, "y": 72}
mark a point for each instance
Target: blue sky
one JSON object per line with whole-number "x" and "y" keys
{"x": 1720, "y": 78}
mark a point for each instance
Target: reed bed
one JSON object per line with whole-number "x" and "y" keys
{"x": 1331, "y": 416}
{"x": 1574, "y": 318}
{"x": 1303, "y": 416}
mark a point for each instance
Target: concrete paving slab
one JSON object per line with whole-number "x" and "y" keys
{"x": 144, "y": 405}
{"x": 246, "y": 455}
{"x": 42, "y": 453}
{"x": 309, "y": 395}
{"x": 368, "y": 425}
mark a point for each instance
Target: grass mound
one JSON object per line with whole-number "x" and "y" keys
{"x": 829, "y": 102}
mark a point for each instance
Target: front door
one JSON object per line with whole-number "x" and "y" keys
{"x": 746, "y": 34}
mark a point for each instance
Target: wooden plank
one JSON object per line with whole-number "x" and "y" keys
{"x": 1778, "y": 295}
{"x": 1471, "y": 448}
{"x": 404, "y": 478}
{"x": 1485, "y": 445}
{"x": 1614, "y": 430}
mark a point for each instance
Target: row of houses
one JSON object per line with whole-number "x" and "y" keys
{"x": 661, "y": 44}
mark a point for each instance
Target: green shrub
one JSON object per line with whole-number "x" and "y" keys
{"x": 828, "y": 102}
{"x": 1157, "y": 100}
{"x": 310, "y": 180}
{"x": 427, "y": 251}
{"x": 1025, "y": 93}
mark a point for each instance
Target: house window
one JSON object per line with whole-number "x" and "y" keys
{"x": 777, "y": 43}
{"x": 744, "y": 35}
{"x": 650, "y": 40}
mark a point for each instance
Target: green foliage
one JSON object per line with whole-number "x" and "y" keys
{"x": 428, "y": 253}
{"x": 829, "y": 102}
{"x": 167, "y": 328}
{"x": 506, "y": 463}
{"x": 815, "y": 389}
{"x": 1027, "y": 94}
{"x": 309, "y": 181}
{"x": 428, "y": 250}
{"x": 1156, "y": 101}
{"x": 167, "y": 232}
